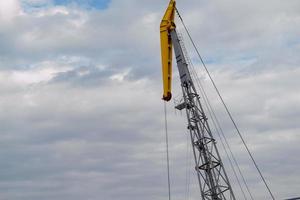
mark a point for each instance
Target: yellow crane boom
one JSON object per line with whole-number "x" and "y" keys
{"x": 166, "y": 26}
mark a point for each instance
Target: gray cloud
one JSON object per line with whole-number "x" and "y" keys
{"x": 81, "y": 115}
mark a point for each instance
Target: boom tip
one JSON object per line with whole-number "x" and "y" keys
{"x": 168, "y": 97}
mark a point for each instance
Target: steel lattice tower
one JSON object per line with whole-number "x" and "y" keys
{"x": 213, "y": 180}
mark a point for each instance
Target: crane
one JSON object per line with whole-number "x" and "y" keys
{"x": 213, "y": 180}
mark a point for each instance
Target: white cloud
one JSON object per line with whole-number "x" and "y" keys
{"x": 9, "y": 9}
{"x": 80, "y": 96}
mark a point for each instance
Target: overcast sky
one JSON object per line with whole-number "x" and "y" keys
{"x": 81, "y": 115}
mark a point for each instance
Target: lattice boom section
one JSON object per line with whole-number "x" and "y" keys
{"x": 214, "y": 183}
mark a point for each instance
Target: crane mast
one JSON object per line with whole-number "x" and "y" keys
{"x": 213, "y": 180}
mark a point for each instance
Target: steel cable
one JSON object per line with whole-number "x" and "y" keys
{"x": 210, "y": 112}
{"x": 217, "y": 128}
{"x": 226, "y": 107}
{"x": 167, "y": 149}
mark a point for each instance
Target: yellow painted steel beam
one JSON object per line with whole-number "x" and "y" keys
{"x": 166, "y": 26}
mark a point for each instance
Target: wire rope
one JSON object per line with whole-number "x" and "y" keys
{"x": 213, "y": 117}
{"x": 219, "y": 130}
{"x": 226, "y": 107}
{"x": 209, "y": 109}
{"x": 167, "y": 150}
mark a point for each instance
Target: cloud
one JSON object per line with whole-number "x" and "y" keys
{"x": 9, "y": 9}
{"x": 81, "y": 114}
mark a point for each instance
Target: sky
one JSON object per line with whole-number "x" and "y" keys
{"x": 81, "y": 112}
